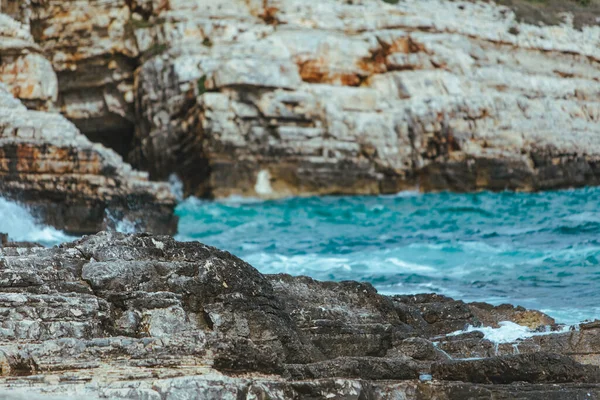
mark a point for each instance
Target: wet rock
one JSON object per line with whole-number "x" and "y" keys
{"x": 341, "y": 319}
{"x": 581, "y": 345}
{"x": 490, "y": 315}
{"x": 460, "y": 391}
{"x": 417, "y": 348}
{"x": 435, "y": 314}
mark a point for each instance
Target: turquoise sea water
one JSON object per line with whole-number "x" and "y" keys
{"x": 538, "y": 250}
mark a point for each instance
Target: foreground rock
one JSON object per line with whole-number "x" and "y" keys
{"x": 131, "y": 317}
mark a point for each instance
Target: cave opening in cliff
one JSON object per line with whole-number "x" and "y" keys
{"x": 112, "y": 131}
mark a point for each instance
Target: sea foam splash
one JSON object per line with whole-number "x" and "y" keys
{"x": 509, "y": 332}
{"x": 20, "y": 225}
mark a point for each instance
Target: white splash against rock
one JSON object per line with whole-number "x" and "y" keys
{"x": 263, "y": 183}
{"x": 176, "y": 187}
{"x": 20, "y": 225}
{"x": 508, "y": 332}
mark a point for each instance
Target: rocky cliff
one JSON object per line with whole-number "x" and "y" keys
{"x": 291, "y": 97}
{"x": 285, "y": 97}
{"x": 145, "y": 317}
{"x": 46, "y": 163}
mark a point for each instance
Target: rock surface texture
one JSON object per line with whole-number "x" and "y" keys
{"x": 285, "y": 97}
{"x": 288, "y": 97}
{"x": 118, "y": 316}
{"x": 46, "y": 163}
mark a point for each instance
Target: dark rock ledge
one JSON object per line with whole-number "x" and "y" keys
{"x": 146, "y": 317}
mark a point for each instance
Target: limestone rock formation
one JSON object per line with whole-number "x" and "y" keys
{"x": 71, "y": 183}
{"x": 23, "y": 68}
{"x": 93, "y": 51}
{"x": 145, "y": 317}
{"x": 46, "y": 163}
{"x": 286, "y": 97}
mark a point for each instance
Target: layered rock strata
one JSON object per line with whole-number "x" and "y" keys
{"x": 71, "y": 183}
{"x": 93, "y": 52}
{"x": 46, "y": 163}
{"x": 145, "y": 317}
{"x": 287, "y": 97}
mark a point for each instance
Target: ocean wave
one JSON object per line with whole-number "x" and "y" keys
{"x": 20, "y": 225}
{"x": 507, "y": 332}
{"x": 578, "y": 229}
{"x": 298, "y": 264}
{"x": 408, "y": 267}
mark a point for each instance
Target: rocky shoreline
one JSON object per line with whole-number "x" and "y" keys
{"x": 286, "y": 97}
{"x": 146, "y": 317}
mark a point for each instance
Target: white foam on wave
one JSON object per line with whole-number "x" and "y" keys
{"x": 298, "y": 264}
{"x": 369, "y": 263}
{"x": 20, "y": 225}
{"x": 507, "y": 332}
{"x": 238, "y": 200}
{"x": 263, "y": 183}
{"x": 405, "y": 267}
{"x": 404, "y": 193}
{"x": 586, "y": 216}
{"x": 120, "y": 225}
{"x": 125, "y": 226}
{"x": 176, "y": 187}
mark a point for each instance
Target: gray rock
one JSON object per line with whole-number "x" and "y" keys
{"x": 533, "y": 368}
{"x": 146, "y": 317}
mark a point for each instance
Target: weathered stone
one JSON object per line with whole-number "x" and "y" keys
{"x": 282, "y": 97}
{"x": 434, "y": 314}
{"x": 71, "y": 183}
{"x": 490, "y": 315}
{"x": 93, "y": 50}
{"x": 393, "y": 97}
{"x": 145, "y": 317}
{"x": 326, "y": 312}
{"x": 370, "y": 368}
{"x": 532, "y": 368}
{"x": 23, "y": 68}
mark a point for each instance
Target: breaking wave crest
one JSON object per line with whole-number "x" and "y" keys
{"x": 17, "y": 221}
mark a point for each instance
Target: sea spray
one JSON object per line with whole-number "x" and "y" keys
{"x": 17, "y": 221}
{"x": 508, "y": 332}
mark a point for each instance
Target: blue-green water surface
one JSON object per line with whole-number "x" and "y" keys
{"x": 538, "y": 250}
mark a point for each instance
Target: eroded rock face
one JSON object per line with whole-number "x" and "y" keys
{"x": 285, "y": 97}
{"x": 93, "y": 50}
{"x": 71, "y": 183}
{"x": 24, "y": 70}
{"x": 139, "y": 316}
{"x": 288, "y": 97}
